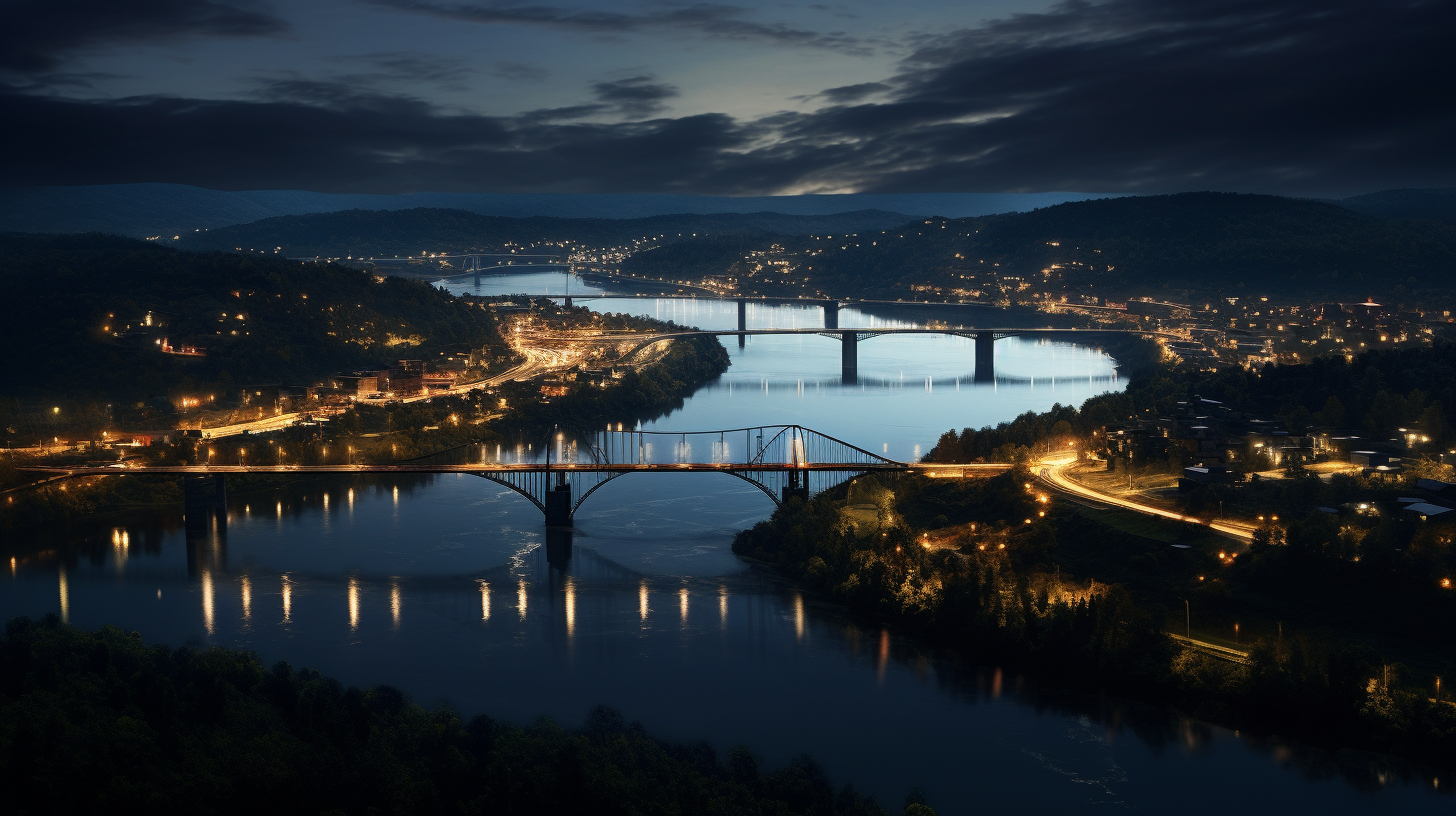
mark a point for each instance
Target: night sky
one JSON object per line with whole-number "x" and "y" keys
{"x": 1305, "y": 98}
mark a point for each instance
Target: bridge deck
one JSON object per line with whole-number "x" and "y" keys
{"x": 492, "y": 469}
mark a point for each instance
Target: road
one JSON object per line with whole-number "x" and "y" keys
{"x": 1213, "y": 649}
{"x": 544, "y": 351}
{"x": 1052, "y": 471}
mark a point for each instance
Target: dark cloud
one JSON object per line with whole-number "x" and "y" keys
{"x": 708, "y": 19}
{"x": 852, "y": 93}
{"x": 635, "y": 97}
{"x": 320, "y": 136}
{"x": 1302, "y": 98}
{"x": 1306, "y": 96}
{"x": 35, "y": 34}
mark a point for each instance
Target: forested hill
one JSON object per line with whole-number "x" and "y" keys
{"x": 1192, "y": 245}
{"x": 78, "y": 308}
{"x": 388, "y": 233}
{"x": 1414, "y": 205}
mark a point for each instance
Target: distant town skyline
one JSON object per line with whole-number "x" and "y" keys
{"x": 385, "y": 96}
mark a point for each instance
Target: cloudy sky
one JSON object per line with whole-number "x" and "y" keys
{"x": 1316, "y": 97}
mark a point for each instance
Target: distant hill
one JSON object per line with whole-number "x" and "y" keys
{"x": 68, "y": 297}
{"x": 1192, "y": 245}
{"x": 1412, "y": 205}
{"x": 145, "y": 210}
{"x": 386, "y": 233}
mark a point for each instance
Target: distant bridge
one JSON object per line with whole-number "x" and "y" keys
{"x": 985, "y": 339}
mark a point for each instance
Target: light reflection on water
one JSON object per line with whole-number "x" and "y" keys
{"x": 736, "y": 658}
{"x": 440, "y": 586}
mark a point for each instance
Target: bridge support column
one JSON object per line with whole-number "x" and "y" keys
{"x": 985, "y": 357}
{"x": 477, "y": 277}
{"x": 203, "y": 498}
{"x": 849, "y": 358}
{"x": 797, "y": 487}
{"x": 831, "y": 315}
{"x": 742, "y": 319}
{"x": 558, "y": 506}
{"x": 567, "y": 301}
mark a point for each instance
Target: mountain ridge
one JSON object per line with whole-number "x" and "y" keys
{"x": 147, "y": 210}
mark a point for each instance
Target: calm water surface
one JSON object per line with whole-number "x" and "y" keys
{"x": 440, "y": 586}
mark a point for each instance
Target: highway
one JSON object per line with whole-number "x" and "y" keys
{"x": 1052, "y": 471}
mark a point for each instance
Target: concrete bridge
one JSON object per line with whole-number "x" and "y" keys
{"x": 985, "y": 339}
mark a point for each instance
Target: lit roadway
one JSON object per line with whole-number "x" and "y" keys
{"x": 532, "y": 467}
{"x": 546, "y": 351}
{"x": 1052, "y": 470}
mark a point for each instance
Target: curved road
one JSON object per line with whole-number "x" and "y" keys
{"x": 1052, "y": 471}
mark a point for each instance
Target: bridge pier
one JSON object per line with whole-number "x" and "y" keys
{"x": 742, "y": 319}
{"x": 567, "y": 301}
{"x": 849, "y": 357}
{"x": 985, "y": 357}
{"x": 831, "y": 315}
{"x": 796, "y": 487}
{"x": 558, "y": 506}
{"x": 204, "y": 497}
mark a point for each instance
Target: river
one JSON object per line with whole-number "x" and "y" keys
{"x": 439, "y": 586}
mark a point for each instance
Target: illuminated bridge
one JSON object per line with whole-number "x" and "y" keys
{"x": 985, "y": 370}
{"x": 783, "y": 461}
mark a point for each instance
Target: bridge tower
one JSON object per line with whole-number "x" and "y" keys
{"x": 849, "y": 357}
{"x": 475, "y": 262}
{"x": 985, "y": 357}
{"x": 742, "y": 319}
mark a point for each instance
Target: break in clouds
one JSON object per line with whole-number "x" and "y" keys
{"x": 1305, "y": 98}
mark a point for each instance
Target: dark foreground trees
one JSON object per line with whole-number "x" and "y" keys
{"x": 96, "y": 722}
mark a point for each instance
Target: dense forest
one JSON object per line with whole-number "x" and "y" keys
{"x": 98, "y": 722}
{"x": 1438, "y": 204}
{"x": 391, "y": 233}
{"x": 92, "y": 311}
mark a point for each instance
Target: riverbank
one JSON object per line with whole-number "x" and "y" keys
{"x": 384, "y": 434}
{"x": 969, "y": 563}
{"x": 214, "y": 730}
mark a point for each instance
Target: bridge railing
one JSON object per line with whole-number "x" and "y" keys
{"x": 767, "y": 445}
